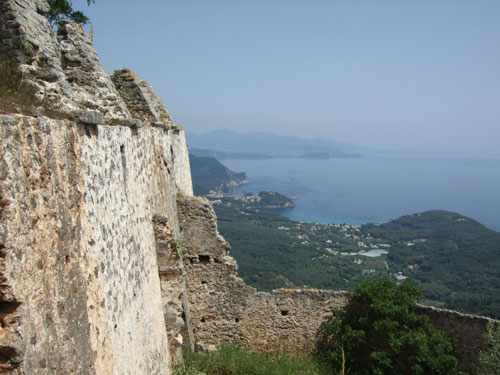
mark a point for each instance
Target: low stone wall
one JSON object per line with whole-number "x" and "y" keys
{"x": 466, "y": 333}
{"x": 224, "y": 309}
{"x": 288, "y": 320}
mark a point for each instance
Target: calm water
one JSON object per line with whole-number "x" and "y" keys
{"x": 380, "y": 187}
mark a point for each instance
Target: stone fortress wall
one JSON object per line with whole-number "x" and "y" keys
{"x": 108, "y": 263}
{"x": 80, "y": 238}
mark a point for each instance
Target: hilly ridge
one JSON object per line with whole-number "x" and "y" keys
{"x": 455, "y": 259}
{"x": 229, "y": 144}
{"x": 208, "y": 174}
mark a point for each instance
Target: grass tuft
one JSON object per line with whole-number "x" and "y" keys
{"x": 233, "y": 360}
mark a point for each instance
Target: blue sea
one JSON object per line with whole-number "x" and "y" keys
{"x": 379, "y": 187}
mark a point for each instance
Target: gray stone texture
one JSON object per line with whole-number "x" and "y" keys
{"x": 81, "y": 283}
{"x": 27, "y": 40}
{"x": 173, "y": 288}
{"x": 42, "y": 266}
{"x": 91, "y": 85}
{"x": 141, "y": 99}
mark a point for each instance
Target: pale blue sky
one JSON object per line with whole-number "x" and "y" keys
{"x": 407, "y": 75}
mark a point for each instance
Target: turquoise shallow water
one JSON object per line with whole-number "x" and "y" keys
{"x": 380, "y": 187}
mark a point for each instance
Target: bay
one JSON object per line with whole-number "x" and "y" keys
{"x": 379, "y": 187}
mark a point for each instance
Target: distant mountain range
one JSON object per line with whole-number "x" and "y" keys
{"x": 226, "y": 144}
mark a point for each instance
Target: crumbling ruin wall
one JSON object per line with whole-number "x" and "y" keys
{"x": 224, "y": 309}
{"x": 173, "y": 288}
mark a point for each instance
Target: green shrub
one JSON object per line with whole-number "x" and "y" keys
{"x": 489, "y": 360}
{"x": 380, "y": 333}
{"x": 232, "y": 360}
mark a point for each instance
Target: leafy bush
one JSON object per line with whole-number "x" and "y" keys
{"x": 380, "y": 333}
{"x": 232, "y": 360}
{"x": 489, "y": 360}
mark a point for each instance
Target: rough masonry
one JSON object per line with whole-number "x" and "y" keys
{"x": 80, "y": 239}
{"x": 108, "y": 264}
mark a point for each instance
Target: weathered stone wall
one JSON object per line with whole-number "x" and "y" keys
{"x": 126, "y": 182}
{"x": 44, "y": 283}
{"x": 173, "y": 289}
{"x": 224, "y": 309}
{"x": 81, "y": 289}
{"x": 466, "y": 333}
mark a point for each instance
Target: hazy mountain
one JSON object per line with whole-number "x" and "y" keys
{"x": 231, "y": 144}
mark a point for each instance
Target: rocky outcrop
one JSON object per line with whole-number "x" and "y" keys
{"x": 28, "y": 42}
{"x": 91, "y": 85}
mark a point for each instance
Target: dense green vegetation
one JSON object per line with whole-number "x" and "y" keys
{"x": 273, "y": 251}
{"x": 380, "y": 333}
{"x": 273, "y": 199}
{"x": 454, "y": 259}
{"x": 489, "y": 359}
{"x": 231, "y": 360}
{"x": 209, "y": 174}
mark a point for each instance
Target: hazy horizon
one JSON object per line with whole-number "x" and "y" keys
{"x": 387, "y": 75}
{"x": 370, "y": 150}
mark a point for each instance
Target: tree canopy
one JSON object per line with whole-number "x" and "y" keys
{"x": 380, "y": 333}
{"x": 63, "y": 9}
